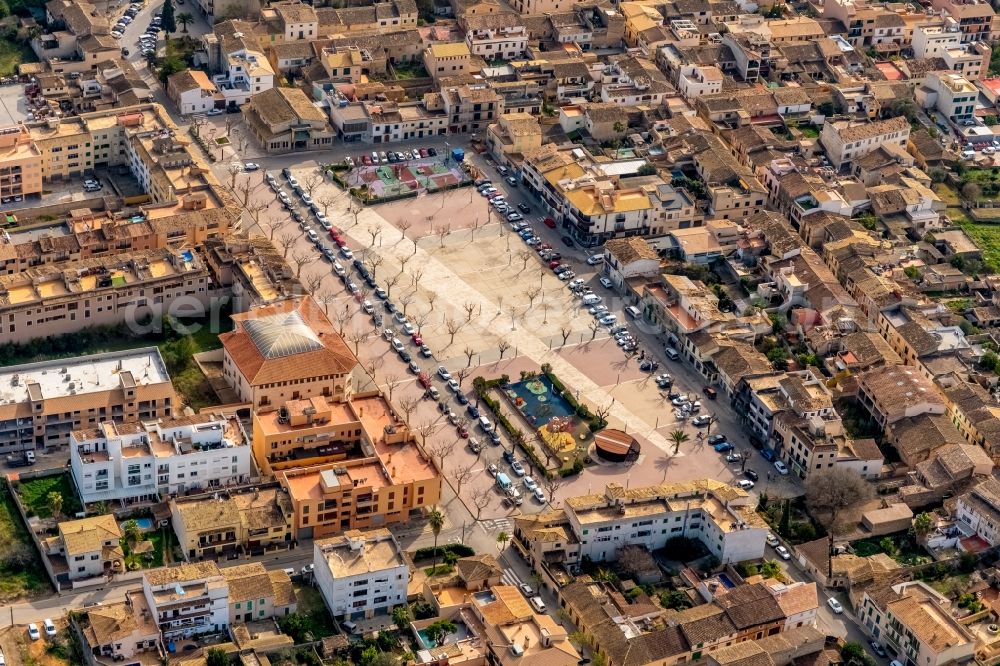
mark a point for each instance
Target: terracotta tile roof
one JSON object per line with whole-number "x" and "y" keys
{"x": 88, "y": 534}
{"x": 333, "y": 357}
{"x": 248, "y": 581}
{"x": 750, "y": 605}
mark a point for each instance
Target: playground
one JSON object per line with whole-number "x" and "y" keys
{"x": 388, "y": 181}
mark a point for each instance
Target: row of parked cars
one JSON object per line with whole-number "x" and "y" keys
{"x": 390, "y": 157}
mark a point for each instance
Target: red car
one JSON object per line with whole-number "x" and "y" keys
{"x": 549, "y": 222}
{"x": 334, "y": 234}
{"x": 367, "y": 160}
{"x": 340, "y": 242}
{"x": 463, "y": 432}
{"x": 417, "y": 340}
{"x": 553, "y": 264}
{"x": 424, "y": 380}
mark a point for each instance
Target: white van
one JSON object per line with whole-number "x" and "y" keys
{"x": 633, "y": 312}
{"x": 968, "y": 154}
{"x": 591, "y": 299}
{"x": 671, "y": 353}
{"x": 485, "y": 424}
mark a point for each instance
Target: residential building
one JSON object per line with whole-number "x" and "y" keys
{"x": 150, "y": 460}
{"x": 977, "y": 513}
{"x": 361, "y": 574}
{"x": 471, "y": 108}
{"x": 62, "y": 298}
{"x": 43, "y": 403}
{"x": 950, "y": 94}
{"x": 284, "y": 120}
{"x": 389, "y": 482}
{"x": 192, "y": 91}
{"x": 297, "y": 21}
{"x": 514, "y": 634}
{"x": 257, "y": 594}
{"x": 513, "y": 136}
{"x": 891, "y": 393}
{"x": 798, "y": 601}
{"x": 249, "y": 521}
{"x": 306, "y": 432}
{"x": 448, "y": 59}
{"x": 187, "y": 599}
{"x": 697, "y": 80}
{"x": 86, "y": 548}
{"x": 286, "y": 351}
{"x": 975, "y": 18}
{"x": 496, "y": 36}
{"x": 627, "y": 258}
{"x": 598, "y": 526}
{"x": 846, "y": 142}
{"x": 912, "y": 621}
{"x": 119, "y": 631}
{"x": 245, "y": 74}
{"x": 20, "y": 167}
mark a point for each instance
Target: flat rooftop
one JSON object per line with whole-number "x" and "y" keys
{"x": 82, "y": 374}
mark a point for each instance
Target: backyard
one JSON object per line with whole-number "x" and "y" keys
{"x": 987, "y": 236}
{"x": 901, "y": 547}
{"x": 311, "y": 616}
{"x": 12, "y": 54}
{"x": 34, "y": 494}
{"x": 163, "y": 542}
{"x": 20, "y": 571}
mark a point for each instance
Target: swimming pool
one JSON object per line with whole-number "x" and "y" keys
{"x": 461, "y": 633}
{"x": 145, "y": 524}
{"x": 484, "y": 597}
{"x": 725, "y": 580}
{"x": 539, "y": 401}
{"x": 187, "y": 256}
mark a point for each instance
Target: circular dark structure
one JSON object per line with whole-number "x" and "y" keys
{"x": 616, "y": 446}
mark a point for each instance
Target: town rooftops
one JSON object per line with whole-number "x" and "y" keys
{"x": 355, "y": 553}
{"x": 627, "y": 250}
{"x": 851, "y": 132}
{"x": 88, "y": 535}
{"x": 449, "y": 50}
{"x": 182, "y": 573}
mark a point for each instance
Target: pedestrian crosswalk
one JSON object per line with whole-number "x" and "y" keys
{"x": 511, "y": 578}
{"x": 498, "y": 525}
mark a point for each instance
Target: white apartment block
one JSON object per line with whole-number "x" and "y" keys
{"x": 978, "y": 512}
{"x": 187, "y": 600}
{"x": 248, "y": 73}
{"x": 932, "y": 40}
{"x": 504, "y": 43}
{"x": 360, "y": 574}
{"x": 148, "y": 461}
{"x": 697, "y": 80}
{"x": 845, "y": 141}
{"x": 719, "y": 516}
{"x": 950, "y": 94}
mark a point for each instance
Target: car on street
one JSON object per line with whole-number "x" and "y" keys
{"x": 608, "y": 320}
{"x": 723, "y": 447}
{"x": 750, "y": 474}
{"x": 463, "y": 430}
{"x": 461, "y": 399}
{"x": 744, "y": 484}
{"x": 529, "y": 483}
{"x": 781, "y": 467}
{"x": 517, "y": 467}
{"x": 443, "y": 373}
{"x": 715, "y": 439}
{"x": 492, "y": 469}
{"x": 606, "y": 283}
{"x": 538, "y": 605}
{"x": 877, "y": 648}
{"x": 701, "y": 421}
{"x": 214, "y": 112}
{"x": 475, "y": 446}
{"x": 539, "y": 495}
{"x": 734, "y": 457}
{"x": 473, "y": 411}
{"x": 526, "y": 590}
{"x": 453, "y": 385}
{"x": 835, "y": 605}
{"x": 679, "y": 401}
{"x": 783, "y": 552}
{"x": 414, "y": 368}
{"x": 368, "y": 307}
{"x": 772, "y": 540}
{"x": 251, "y": 166}
{"x": 425, "y": 351}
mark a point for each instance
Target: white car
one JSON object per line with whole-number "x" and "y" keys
{"x": 530, "y": 484}
{"x": 835, "y": 605}
{"x": 453, "y": 385}
{"x": 783, "y": 552}
{"x": 251, "y": 166}
{"x": 772, "y": 540}
{"x": 538, "y": 604}
{"x": 215, "y": 112}
{"x": 576, "y": 283}
{"x": 33, "y": 632}
{"x": 368, "y": 307}
{"x": 606, "y": 283}
{"x": 443, "y": 373}
{"x": 539, "y": 495}
{"x": 781, "y": 467}
{"x": 595, "y": 259}
{"x": 744, "y": 484}
{"x": 50, "y": 627}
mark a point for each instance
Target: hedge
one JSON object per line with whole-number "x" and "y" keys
{"x": 459, "y": 549}
{"x": 516, "y": 434}
{"x": 594, "y": 422}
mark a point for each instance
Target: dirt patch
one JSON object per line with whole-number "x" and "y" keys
{"x": 19, "y": 650}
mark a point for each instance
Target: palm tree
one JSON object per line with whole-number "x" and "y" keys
{"x": 678, "y": 437}
{"x": 185, "y": 19}
{"x": 502, "y": 539}
{"x": 436, "y": 521}
{"x": 131, "y": 532}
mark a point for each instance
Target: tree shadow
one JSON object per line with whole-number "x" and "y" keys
{"x": 664, "y": 463}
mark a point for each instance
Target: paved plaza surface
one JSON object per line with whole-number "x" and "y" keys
{"x": 487, "y": 305}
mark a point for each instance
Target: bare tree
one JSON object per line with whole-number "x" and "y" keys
{"x": 470, "y": 309}
{"x": 444, "y": 231}
{"x": 439, "y": 450}
{"x": 502, "y": 347}
{"x": 325, "y": 202}
{"x": 431, "y": 297}
{"x": 403, "y": 225}
{"x": 235, "y": 169}
{"x": 357, "y": 337}
{"x": 255, "y": 208}
{"x": 375, "y": 233}
{"x": 524, "y": 256}
{"x": 375, "y": 260}
{"x": 286, "y": 241}
{"x": 469, "y": 353}
{"x": 416, "y": 275}
{"x": 403, "y": 261}
{"x": 461, "y": 474}
{"x": 391, "y": 382}
{"x": 426, "y": 430}
{"x": 532, "y": 294}
{"x": 342, "y": 316}
{"x": 374, "y": 365}
{"x": 462, "y": 373}
{"x": 831, "y": 491}
{"x": 420, "y": 320}
{"x": 311, "y": 182}
{"x": 552, "y": 483}
{"x": 452, "y": 326}
{"x": 314, "y": 282}
{"x": 302, "y": 259}
{"x": 480, "y": 498}
{"x": 390, "y": 282}
{"x": 407, "y": 405}
{"x": 565, "y": 333}
{"x": 602, "y": 413}
{"x": 472, "y": 230}
{"x": 594, "y": 327}
{"x": 324, "y": 297}
{"x": 406, "y": 300}
{"x": 269, "y": 227}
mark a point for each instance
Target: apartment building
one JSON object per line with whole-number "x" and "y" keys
{"x": 447, "y": 59}
{"x": 471, "y": 108}
{"x": 57, "y": 299}
{"x": 118, "y": 631}
{"x": 192, "y": 91}
{"x": 305, "y": 432}
{"x": 697, "y": 80}
{"x": 248, "y": 520}
{"x": 513, "y": 137}
{"x": 86, "y": 548}
{"x": 20, "y": 167}
{"x": 819, "y": 442}
{"x": 187, "y": 599}
{"x": 846, "y": 142}
{"x": 41, "y": 404}
{"x": 976, "y": 19}
{"x": 977, "y": 512}
{"x": 496, "y": 36}
{"x": 286, "y": 351}
{"x": 390, "y": 122}
{"x": 296, "y": 21}
{"x": 284, "y": 120}
{"x": 913, "y": 622}
{"x": 891, "y": 393}
{"x": 148, "y": 461}
{"x": 360, "y": 574}
{"x": 389, "y": 482}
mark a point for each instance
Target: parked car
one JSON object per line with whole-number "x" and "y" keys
{"x": 783, "y": 552}
{"x": 33, "y": 632}
{"x": 835, "y": 605}
{"x": 744, "y": 484}
{"x": 780, "y": 466}
{"x": 772, "y": 540}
